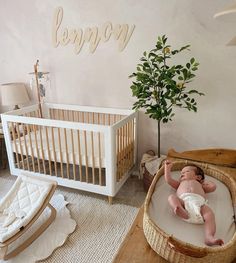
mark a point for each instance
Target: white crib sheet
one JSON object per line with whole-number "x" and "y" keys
{"x": 220, "y": 202}
{"x": 64, "y": 149}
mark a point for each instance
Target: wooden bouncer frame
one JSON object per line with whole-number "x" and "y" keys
{"x": 119, "y": 130}
{"x": 4, "y": 245}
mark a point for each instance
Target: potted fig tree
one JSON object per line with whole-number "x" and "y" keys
{"x": 160, "y": 86}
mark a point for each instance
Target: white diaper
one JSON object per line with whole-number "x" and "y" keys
{"x": 193, "y": 203}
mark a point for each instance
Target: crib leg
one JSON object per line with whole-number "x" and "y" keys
{"x": 110, "y": 199}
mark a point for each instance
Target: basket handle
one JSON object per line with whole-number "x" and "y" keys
{"x": 192, "y": 252}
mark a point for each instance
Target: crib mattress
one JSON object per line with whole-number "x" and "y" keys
{"x": 219, "y": 201}
{"x": 88, "y": 152}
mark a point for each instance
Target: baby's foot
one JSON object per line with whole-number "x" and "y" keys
{"x": 211, "y": 241}
{"x": 181, "y": 212}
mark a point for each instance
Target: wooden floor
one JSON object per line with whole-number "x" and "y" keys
{"x": 135, "y": 248}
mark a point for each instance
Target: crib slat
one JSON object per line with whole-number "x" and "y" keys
{"x": 59, "y": 142}
{"x": 129, "y": 144}
{"x": 103, "y": 118}
{"x": 99, "y": 118}
{"x": 85, "y": 149}
{"x": 133, "y": 130}
{"x": 48, "y": 150}
{"x": 73, "y": 153}
{"x": 53, "y": 114}
{"x": 37, "y": 148}
{"x": 92, "y": 148}
{"x": 80, "y": 161}
{"x": 93, "y": 164}
{"x": 26, "y": 149}
{"x": 122, "y": 152}
{"x": 55, "y": 111}
{"x": 67, "y": 157}
{"x": 14, "y": 140}
{"x": 21, "y": 149}
{"x": 31, "y": 148}
{"x": 42, "y": 150}
{"x": 119, "y": 154}
{"x": 126, "y": 148}
{"x": 54, "y": 152}
{"x": 99, "y": 158}
{"x": 86, "y": 155}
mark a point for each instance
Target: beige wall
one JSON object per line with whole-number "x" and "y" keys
{"x": 101, "y": 78}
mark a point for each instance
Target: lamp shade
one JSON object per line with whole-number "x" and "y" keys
{"x": 14, "y": 94}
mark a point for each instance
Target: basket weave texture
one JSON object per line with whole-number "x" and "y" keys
{"x": 177, "y": 251}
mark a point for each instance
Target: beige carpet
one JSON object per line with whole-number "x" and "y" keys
{"x": 101, "y": 228}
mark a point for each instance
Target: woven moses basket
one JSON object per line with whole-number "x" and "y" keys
{"x": 177, "y": 251}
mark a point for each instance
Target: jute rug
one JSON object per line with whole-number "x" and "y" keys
{"x": 100, "y": 230}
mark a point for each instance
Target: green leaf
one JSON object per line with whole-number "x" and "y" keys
{"x": 192, "y": 60}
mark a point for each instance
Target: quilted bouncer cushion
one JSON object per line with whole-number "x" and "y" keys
{"x": 20, "y": 205}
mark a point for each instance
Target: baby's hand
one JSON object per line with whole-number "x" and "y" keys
{"x": 168, "y": 164}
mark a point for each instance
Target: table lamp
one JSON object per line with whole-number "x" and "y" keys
{"x": 14, "y": 94}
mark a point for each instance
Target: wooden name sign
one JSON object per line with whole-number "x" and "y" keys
{"x": 92, "y": 35}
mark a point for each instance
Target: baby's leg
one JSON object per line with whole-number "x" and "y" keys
{"x": 210, "y": 227}
{"x": 178, "y": 206}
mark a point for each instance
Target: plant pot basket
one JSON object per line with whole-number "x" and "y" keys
{"x": 147, "y": 179}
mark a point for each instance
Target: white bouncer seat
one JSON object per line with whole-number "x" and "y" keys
{"x": 20, "y": 208}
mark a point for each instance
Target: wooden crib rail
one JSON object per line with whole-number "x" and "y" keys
{"x": 85, "y": 117}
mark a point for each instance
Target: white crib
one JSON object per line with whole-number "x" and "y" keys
{"x": 87, "y": 148}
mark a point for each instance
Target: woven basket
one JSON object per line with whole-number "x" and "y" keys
{"x": 177, "y": 251}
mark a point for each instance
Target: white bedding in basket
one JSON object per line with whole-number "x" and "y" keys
{"x": 92, "y": 152}
{"x": 220, "y": 201}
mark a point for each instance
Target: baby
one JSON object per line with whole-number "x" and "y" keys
{"x": 189, "y": 202}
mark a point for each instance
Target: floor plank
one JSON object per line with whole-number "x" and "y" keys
{"x": 135, "y": 248}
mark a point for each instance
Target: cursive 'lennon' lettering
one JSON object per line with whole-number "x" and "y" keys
{"x": 91, "y": 35}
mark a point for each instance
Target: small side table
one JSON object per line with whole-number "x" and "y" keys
{"x": 3, "y": 153}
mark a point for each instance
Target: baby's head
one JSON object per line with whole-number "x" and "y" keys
{"x": 192, "y": 172}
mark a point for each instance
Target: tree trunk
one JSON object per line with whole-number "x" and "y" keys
{"x": 158, "y": 139}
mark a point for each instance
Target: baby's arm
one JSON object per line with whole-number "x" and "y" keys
{"x": 168, "y": 178}
{"x": 209, "y": 186}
